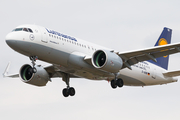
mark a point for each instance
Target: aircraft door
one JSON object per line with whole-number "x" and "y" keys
{"x": 44, "y": 34}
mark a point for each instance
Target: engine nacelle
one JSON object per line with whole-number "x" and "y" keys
{"x": 40, "y": 78}
{"x": 107, "y": 61}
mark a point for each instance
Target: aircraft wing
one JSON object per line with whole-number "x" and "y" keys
{"x": 51, "y": 70}
{"x": 133, "y": 57}
{"x": 172, "y": 74}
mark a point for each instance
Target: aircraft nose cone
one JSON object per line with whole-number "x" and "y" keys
{"x": 10, "y": 43}
{"x": 10, "y": 40}
{"x": 9, "y": 37}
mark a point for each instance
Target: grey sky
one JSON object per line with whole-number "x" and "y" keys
{"x": 118, "y": 24}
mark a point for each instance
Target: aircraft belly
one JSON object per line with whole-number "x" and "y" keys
{"x": 88, "y": 75}
{"x": 130, "y": 81}
{"x": 58, "y": 57}
{"x": 54, "y": 56}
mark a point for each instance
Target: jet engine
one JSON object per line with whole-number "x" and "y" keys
{"x": 107, "y": 61}
{"x": 40, "y": 78}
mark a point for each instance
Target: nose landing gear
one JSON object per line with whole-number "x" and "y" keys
{"x": 33, "y": 60}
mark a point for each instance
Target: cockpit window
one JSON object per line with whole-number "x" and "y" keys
{"x": 23, "y": 29}
{"x": 30, "y": 30}
{"x": 18, "y": 29}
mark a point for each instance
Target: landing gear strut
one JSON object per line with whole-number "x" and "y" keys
{"x": 68, "y": 90}
{"x": 33, "y": 59}
{"x": 117, "y": 82}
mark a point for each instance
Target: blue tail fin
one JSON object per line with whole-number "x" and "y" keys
{"x": 165, "y": 38}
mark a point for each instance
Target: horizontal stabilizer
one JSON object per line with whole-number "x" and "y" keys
{"x": 172, "y": 74}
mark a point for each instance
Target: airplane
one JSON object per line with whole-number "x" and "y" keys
{"x": 70, "y": 57}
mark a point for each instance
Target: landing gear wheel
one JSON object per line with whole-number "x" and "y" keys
{"x": 65, "y": 92}
{"x": 120, "y": 83}
{"x": 113, "y": 84}
{"x": 71, "y": 91}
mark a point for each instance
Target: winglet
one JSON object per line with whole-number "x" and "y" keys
{"x": 5, "y": 74}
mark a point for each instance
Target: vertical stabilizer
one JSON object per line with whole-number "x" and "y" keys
{"x": 165, "y": 38}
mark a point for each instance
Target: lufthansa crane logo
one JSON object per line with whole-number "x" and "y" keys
{"x": 163, "y": 41}
{"x": 31, "y": 36}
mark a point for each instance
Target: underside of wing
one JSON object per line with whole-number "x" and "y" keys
{"x": 53, "y": 71}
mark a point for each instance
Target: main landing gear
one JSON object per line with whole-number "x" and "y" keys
{"x": 68, "y": 90}
{"x": 117, "y": 82}
{"x": 33, "y": 60}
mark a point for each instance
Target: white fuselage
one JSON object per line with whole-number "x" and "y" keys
{"x": 67, "y": 54}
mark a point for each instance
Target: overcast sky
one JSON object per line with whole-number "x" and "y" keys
{"x": 119, "y": 24}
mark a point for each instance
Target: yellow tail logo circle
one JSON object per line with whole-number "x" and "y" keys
{"x": 163, "y": 41}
